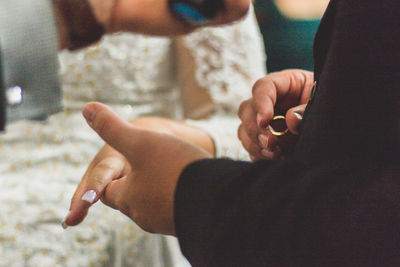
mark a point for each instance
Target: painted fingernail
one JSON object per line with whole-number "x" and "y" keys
{"x": 296, "y": 127}
{"x": 64, "y": 223}
{"x": 298, "y": 114}
{"x": 89, "y": 196}
{"x": 263, "y": 139}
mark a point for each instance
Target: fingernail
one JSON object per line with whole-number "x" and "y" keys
{"x": 299, "y": 114}
{"x": 89, "y": 196}
{"x": 64, "y": 223}
{"x": 263, "y": 139}
{"x": 296, "y": 128}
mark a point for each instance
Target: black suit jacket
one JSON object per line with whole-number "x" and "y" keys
{"x": 337, "y": 203}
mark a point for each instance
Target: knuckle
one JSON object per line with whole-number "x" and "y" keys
{"x": 108, "y": 164}
{"x": 101, "y": 174}
{"x": 254, "y": 150}
{"x": 259, "y": 83}
{"x": 97, "y": 183}
{"x": 263, "y": 83}
{"x": 261, "y": 101}
{"x": 243, "y": 107}
{"x": 251, "y": 130}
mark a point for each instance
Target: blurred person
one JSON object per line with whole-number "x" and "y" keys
{"x": 288, "y": 28}
{"x": 31, "y": 33}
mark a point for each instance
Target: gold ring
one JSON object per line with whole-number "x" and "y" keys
{"x": 278, "y": 133}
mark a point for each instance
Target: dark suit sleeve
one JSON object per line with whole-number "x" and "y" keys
{"x": 268, "y": 213}
{"x": 355, "y": 112}
{"x": 343, "y": 207}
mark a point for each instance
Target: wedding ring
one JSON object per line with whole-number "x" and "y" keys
{"x": 278, "y": 133}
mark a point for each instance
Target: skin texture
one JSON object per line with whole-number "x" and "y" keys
{"x": 130, "y": 180}
{"x": 286, "y": 93}
{"x": 109, "y": 164}
{"x": 138, "y": 142}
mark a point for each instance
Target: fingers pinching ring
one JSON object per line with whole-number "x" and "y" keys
{"x": 279, "y": 132}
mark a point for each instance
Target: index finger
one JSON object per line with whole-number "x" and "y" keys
{"x": 280, "y": 91}
{"x": 264, "y": 99}
{"x": 92, "y": 187}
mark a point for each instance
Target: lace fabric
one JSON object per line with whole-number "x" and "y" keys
{"x": 42, "y": 162}
{"x": 228, "y": 61}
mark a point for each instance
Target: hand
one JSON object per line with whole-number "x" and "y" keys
{"x": 140, "y": 179}
{"x": 109, "y": 164}
{"x": 153, "y": 16}
{"x": 286, "y": 92}
{"x": 139, "y": 16}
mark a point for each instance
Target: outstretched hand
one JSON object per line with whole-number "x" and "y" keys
{"x": 280, "y": 93}
{"x": 138, "y": 177}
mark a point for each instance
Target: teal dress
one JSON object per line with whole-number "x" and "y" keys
{"x": 288, "y": 42}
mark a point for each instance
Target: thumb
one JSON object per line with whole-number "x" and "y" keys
{"x": 294, "y": 118}
{"x": 110, "y": 127}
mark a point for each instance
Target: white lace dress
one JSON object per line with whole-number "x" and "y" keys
{"x": 41, "y": 163}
